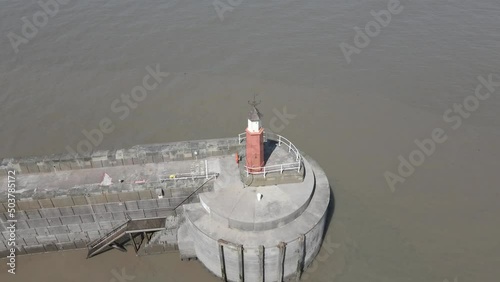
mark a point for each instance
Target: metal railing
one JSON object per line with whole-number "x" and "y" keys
{"x": 186, "y": 176}
{"x": 96, "y": 242}
{"x": 296, "y": 165}
{"x": 195, "y": 191}
{"x": 192, "y": 175}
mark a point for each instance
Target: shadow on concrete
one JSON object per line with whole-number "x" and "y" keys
{"x": 269, "y": 148}
{"x": 329, "y": 216}
{"x": 329, "y": 212}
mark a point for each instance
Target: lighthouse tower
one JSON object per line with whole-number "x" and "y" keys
{"x": 254, "y": 140}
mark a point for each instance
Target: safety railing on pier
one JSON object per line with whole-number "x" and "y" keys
{"x": 296, "y": 165}
{"x": 189, "y": 176}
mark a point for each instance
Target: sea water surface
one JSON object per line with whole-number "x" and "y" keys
{"x": 355, "y": 118}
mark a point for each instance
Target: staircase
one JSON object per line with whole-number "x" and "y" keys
{"x": 133, "y": 227}
{"x": 130, "y": 227}
{"x": 105, "y": 241}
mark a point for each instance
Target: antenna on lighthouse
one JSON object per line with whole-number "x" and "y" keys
{"x": 254, "y": 103}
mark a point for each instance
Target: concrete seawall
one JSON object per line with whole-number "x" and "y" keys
{"x": 60, "y": 204}
{"x": 140, "y": 154}
{"x": 206, "y": 204}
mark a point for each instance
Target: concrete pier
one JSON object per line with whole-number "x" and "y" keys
{"x": 208, "y": 203}
{"x": 61, "y": 205}
{"x": 279, "y": 234}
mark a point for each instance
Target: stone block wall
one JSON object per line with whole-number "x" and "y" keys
{"x": 61, "y": 221}
{"x": 140, "y": 154}
{"x": 64, "y": 223}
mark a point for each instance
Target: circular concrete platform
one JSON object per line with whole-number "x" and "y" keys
{"x": 279, "y": 205}
{"x": 234, "y": 235}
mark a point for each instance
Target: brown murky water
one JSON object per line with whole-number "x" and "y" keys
{"x": 354, "y": 118}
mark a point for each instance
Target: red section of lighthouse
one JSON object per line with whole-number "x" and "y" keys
{"x": 254, "y": 141}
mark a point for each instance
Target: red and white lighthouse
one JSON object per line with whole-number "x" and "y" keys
{"x": 254, "y": 140}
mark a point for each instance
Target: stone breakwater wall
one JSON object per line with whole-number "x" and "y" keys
{"x": 70, "y": 217}
{"x": 71, "y": 222}
{"x": 140, "y": 154}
